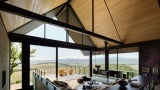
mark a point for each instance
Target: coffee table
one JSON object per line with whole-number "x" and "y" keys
{"x": 96, "y": 85}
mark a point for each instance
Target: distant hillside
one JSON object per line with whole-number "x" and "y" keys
{"x": 122, "y": 60}
{"x": 113, "y": 60}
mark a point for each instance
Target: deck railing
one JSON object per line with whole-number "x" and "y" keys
{"x": 77, "y": 69}
{"x": 40, "y": 83}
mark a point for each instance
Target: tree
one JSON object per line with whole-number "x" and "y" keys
{"x": 16, "y": 56}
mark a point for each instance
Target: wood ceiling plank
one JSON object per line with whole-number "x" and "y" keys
{"x": 134, "y": 16}
{"x": 46, "y": 6}
{"x": 5, "y": 16}
{"x": 58, "y": 2}
{"x": 103, "y": 22}
{"x": 103, "y": 19}
{"x": 131, "y": 18}
{"x": 28, "y": 6}
{"x": 12, "y": 21}
{"x": 83, "y": 9}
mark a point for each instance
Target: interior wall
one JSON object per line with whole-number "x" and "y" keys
{"x": 149, "y": 56}
{"x": 4, "y": 57}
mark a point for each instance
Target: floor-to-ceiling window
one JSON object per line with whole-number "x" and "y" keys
{"x": 68, "y": 59}
{"x": 42, "y": 58}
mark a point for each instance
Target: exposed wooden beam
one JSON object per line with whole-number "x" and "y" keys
{"x": 90, "y": 63}
{"x": 47, "y": 42}
{"x": 28, "y": 14}
{"x": 3, "y": 0}
{"x": 106, "y": 57}
{"x": 159, "y": 2}
{"x": 132, "y": 45}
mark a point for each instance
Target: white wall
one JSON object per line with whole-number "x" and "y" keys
{"x": 4, "y": 55}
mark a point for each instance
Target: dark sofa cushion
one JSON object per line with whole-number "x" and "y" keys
{"x": 112, "y": 73}
{"x": 104, "y": 72}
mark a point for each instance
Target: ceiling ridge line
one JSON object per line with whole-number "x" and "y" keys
{"x": 112, "y": 20}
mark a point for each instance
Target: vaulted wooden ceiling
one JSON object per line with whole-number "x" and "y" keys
{"x": 135, "y": 20}
{"x": 12, "y": 21}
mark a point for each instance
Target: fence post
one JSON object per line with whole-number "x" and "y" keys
{"x": 50, "y": 69}
{"x": 84, "y": 71}
{"x": 75, "y": 68}
{"x": 66, "y": 67}
{"x": 79, "y": 69}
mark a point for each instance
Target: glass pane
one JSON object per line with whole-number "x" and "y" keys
{"x": 112, "y": 61}
{"x": 15, "y": 66}
{"x": 37, "y": 32}
{"x": 128, "y": 62}
{"x": 42, "y": 61}
{"x": 55, "y": 33}
{"x": 71, "y": 40}
{"x": 72, "y": 65}
{"x": 98, "y": 60}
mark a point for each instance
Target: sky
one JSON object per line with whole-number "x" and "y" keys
{"x": 57, "y": 33}
{"x": 48, "y": 53}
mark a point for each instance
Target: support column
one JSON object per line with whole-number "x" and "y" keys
{"x": 117, "y": 59}
{"x": 25, "y": 66}
{"x": 90, "y": 64}
{"x": 57, "y": 63}
{"x": 45, "y": 29}
{"x": 106, "y": 57}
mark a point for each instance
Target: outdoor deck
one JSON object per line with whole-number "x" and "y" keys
{"x": 70, "y": 79}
